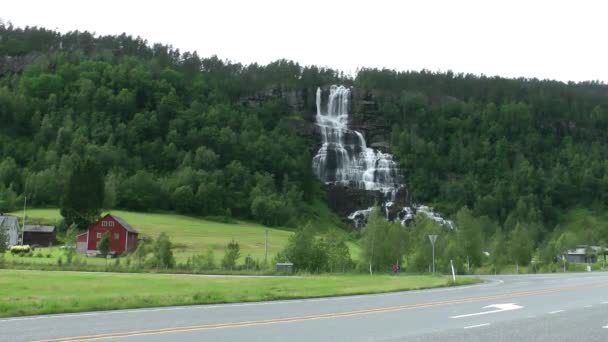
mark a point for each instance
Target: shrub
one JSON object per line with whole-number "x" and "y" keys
{"x": 202, "y": 261}
{"x": 233, "y": 252}
{"x": 163, "y": 252}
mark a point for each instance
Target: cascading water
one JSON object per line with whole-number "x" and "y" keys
{"x": 344, "y": 158}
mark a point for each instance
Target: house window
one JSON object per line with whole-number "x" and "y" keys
{"x": 99, "y": 235}
{"x": 116, "y": 236}
{"x": 111, "y": 223}
{"x": 104, "y": 223}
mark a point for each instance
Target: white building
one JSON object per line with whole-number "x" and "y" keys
{"x": 10, "y": 226}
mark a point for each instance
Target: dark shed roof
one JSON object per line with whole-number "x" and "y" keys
{"x": 38, "y": 228}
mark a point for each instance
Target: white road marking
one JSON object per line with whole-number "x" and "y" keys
{"x": 606, "y": 327}
{"x": 604, "y": 302}
{"x": 499, "y": 308}
{"x": 588, "y": 306}
{"x": 478, "y": 325}
{"x": 555, "y": 312}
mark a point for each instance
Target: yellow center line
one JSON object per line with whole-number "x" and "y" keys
{"x": 319, "y": 316}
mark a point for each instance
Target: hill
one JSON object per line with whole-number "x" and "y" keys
{"x": 172, "y": 131}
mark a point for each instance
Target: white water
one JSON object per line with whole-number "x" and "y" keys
{"x": 345, "y": 159}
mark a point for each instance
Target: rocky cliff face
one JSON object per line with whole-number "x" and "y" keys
{"x": 11, "y": 65}
{"x": 365, "y": 118}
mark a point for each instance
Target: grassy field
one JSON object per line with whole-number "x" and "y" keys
{"x": 40, "y": 292}
{"x": 191, "y": 235}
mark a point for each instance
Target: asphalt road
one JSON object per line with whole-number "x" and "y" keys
{"x": 558, "y": 307}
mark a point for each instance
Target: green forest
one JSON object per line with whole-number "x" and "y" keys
{"x": 171, "y": 130}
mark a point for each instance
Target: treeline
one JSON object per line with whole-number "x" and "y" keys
{"x": 168, "y": 130}
{"x": 478, "y": 244}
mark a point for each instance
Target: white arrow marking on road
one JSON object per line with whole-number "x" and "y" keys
{"x": 606, "y": 327}
{"x": 499, "y": 308}
{"x": 477, "y": 326}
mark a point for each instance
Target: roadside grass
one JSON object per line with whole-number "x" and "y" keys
{"x": 557, "y": 267}
{"x": 40, "y": 292}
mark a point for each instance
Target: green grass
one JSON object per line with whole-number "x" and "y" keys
{"x": 40, "y": 292}
{"x": 191, "y": 235}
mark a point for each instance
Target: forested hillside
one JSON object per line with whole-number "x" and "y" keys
{"x": 515, "y": 150}
{"x": 175, "y": 131}
{"x": 168, "y": 129}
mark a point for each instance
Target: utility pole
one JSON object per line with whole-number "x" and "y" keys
{"x": 433, "y": 238}
{"x": 266, "y": 247}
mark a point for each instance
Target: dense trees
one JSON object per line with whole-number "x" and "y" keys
{"x": 167, "y": 130}
{"x": 515, "y": 150}
{"x": 309, "y": 253}
{"x": 384, "y": 243}
{"x": 175, "y": 131}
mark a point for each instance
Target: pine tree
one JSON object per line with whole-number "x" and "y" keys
{"x": 83, "y": 198}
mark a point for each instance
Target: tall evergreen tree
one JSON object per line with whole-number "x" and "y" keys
{"x": 84, "y": 193}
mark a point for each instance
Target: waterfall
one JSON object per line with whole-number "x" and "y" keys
{"x": 344, "y": 159}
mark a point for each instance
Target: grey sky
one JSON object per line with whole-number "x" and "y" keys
{"x": 564, "y": 40}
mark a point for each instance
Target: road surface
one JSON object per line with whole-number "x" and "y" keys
{"x": 555, "y": 307}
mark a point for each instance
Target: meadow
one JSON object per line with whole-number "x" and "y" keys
{"x": 189, "y": 235}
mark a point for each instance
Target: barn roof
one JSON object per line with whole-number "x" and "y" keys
{"x": 37, "y": 228}
{"x": 124, "y": 223}
{"x": 9, "y": 221}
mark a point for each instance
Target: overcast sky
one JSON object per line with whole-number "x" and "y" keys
{"x": 564, "y": 40}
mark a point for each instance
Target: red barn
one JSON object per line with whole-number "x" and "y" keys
{"x": 123, "y": 237}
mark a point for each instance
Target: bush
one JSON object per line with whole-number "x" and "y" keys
{"x": 202, "y": 261}
{"x": 163, "y": 252}
{"x": 39, "y": 255}
{"x": 233, "y": 252}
